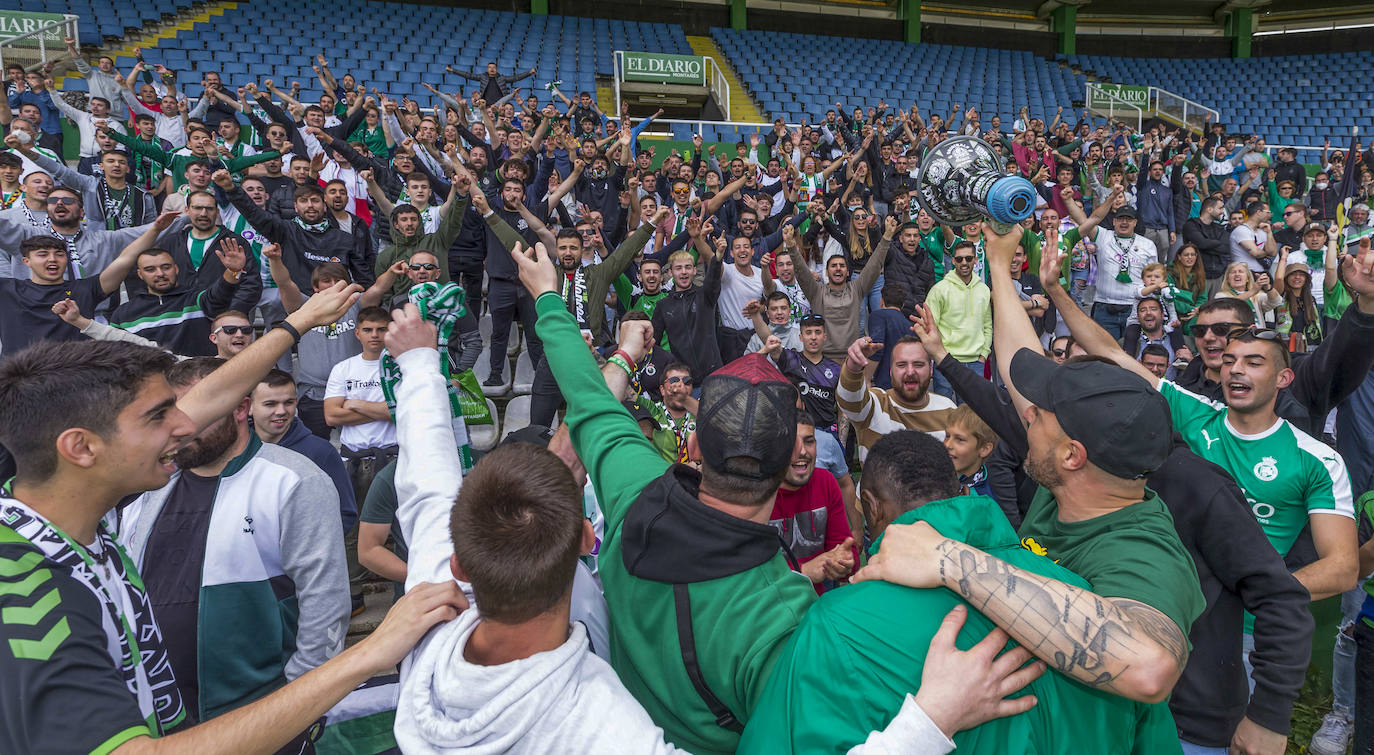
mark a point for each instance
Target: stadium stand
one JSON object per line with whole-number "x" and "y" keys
{"x": 1337, "y": 94}
{"x": 937, "y": 76}
{"x": 573, "y": 50}
{"x": 111, "y": 19}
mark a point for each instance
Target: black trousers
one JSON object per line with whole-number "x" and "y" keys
{"x": 508, "y": 300}
{"x": 468, "y": 274}
{"x": 311, "y": 412}
{"x": 732, "y": 342}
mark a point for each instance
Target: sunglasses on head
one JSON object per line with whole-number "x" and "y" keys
{"x": 679, "y": 379}
{"x": 1216, "y": 328}
{"x": 1254, "y": 331}
{"x": 234, "y": 330}
{"x": 62, "y": 200}
{"x": 424, "y": 266}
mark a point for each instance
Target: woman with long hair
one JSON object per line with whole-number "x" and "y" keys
{"x": 1239, "y": 283}
{"x": 1299, "y": 317}
{"x": 1188, "y": 277}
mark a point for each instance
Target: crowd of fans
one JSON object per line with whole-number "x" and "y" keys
{"x": 1129, "y": 438}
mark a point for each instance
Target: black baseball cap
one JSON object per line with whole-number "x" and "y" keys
{"x": 1122, "y": 421}
{"x": 1126, "y": 212}
{"x": 638, "y": 410}
{"x": 747, "y": 423}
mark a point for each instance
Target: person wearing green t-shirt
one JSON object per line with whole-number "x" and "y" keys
{"x": 1095, "y": 431}
{"x": 876, "y": 636}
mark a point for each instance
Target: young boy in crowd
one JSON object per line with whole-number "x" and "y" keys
{"x": 970, "y": 442}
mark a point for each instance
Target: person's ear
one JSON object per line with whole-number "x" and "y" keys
{"x": 456, "y": 569}
{"x": 241, "y": 412}
{"x": 589, "y": 542}
{"x": 79, "y": 446}
{"x": 1073, "y": 456}
{"x": 1285, "y": 377}
{"x": 985, "y": 449}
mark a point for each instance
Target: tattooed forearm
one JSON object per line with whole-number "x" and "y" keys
{"x": 1109, "y": 643}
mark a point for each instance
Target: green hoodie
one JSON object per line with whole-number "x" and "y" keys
{"x": 437, "y": 243}
{"x": 745, "y": 601}
{"x": 861, "y": 649}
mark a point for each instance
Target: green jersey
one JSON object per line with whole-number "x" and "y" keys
{"x": 1285, "y": 473}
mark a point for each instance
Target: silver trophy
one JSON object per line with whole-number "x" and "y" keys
{"x": 962, "y": 181}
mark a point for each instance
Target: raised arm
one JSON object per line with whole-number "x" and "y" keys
{"x": 119, "y": 269}
{"x": 1085, "y": 331}
{"x": 291, "y": 296}
{"x": 1088, "y": 229}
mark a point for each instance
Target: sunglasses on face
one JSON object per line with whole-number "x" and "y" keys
{"x": 748, "y": 221}
{"x": 1060, "y": 352}
{"x": 681, "y": 190}
{"x": 425, "y": 266}
{"x": 234, "y": 330}
{"x": 1216, "y": 328}
{"x": 62, "y": 200}
{"x": 679, "y": 379}
{"x": 963, "y": 259}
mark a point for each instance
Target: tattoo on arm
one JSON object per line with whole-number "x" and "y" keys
{"x": 1080, "y": 634}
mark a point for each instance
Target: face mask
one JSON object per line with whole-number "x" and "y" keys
{"x": 1320, "y": 186}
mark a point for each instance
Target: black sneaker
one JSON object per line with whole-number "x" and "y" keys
{"x": 494, "y": 380}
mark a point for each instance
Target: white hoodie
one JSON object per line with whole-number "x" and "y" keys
{"x": 563, "y": 700}
{"x": 566, "y": 700}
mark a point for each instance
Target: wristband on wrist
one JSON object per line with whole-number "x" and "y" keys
{"x": 290, "y": 330}
{"x": 623, "y": 354}
{"x": 620, "y": 362}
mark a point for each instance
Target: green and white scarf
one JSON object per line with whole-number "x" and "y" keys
{"x": 142, "y": 661}
{"x": 319, "y": 227}
{"x": 441, "y": 304}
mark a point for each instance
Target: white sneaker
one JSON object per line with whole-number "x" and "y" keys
{"x": 1333, "y": 737}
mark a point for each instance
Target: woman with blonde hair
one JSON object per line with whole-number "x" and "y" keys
{"x": 1258, "y": 291}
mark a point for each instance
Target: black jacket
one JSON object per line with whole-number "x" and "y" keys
{"x": 688, "y": 319}
{"x": 1213, "y": 245}
{"x": 1324, "y": 201}
{"x": 1291, "y": 171}
{"x": 302, "y": 250}
{"x": 178, "y": 320}
{"x": 1238, "y": 570}
{"x": 1321, "y": 379}
{"x": 915, "y": 272}
{"x": 244, "y": 297}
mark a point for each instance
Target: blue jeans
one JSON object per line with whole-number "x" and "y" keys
{"x": 1343, "y": 654}
{"x": 1112, "y": 317}
{"x": 1191, "y": 749}
{"x": 829, "y": 453}
{"x": 942, "y": 386}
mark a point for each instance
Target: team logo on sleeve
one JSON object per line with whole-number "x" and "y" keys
{"x": 1267, "y": 469}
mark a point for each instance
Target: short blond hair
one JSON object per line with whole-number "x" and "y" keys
{"x": 1156, "y": 267}
{"x": 965, "y": 417}
{"x": 677, "y": 257}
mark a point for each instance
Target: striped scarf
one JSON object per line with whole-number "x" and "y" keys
{"x": 441, "y": 304}
{"x": 142, "y": 661}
